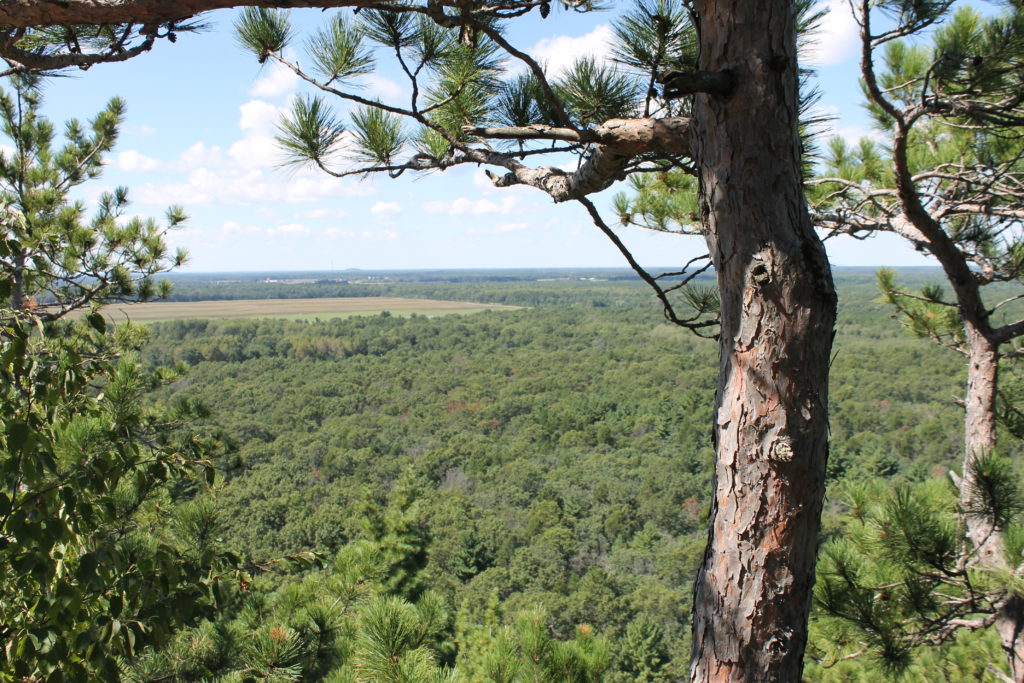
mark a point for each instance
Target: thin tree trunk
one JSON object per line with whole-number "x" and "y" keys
{"x": 979, "y": 439}
{"x": 982, "y": 381}
{"x": 18, "y": 283}
{"x": 1010, "y": 626}
{"x": 753, "y": 593}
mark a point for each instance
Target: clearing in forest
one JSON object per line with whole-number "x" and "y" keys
{"x": 289, "y": 308}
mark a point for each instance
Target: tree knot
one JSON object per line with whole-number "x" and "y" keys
{"x": 781, "y": 450}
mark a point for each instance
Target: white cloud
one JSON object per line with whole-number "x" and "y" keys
{"x": 248, "y": 171}
{"x": 559, "y": 53}
{"x": 288, "y": 230}
{"x": 233, "y": 228}
{"x": 337, "y": 233}
{"x": 837, "y": 39}
{"x": 382, "y": 236}
{"x": 315, "y": 214}
{"x": 277, "y": 81}
{"x": 198, "y": 156}
{"x": 463, "y": 205}
{"x": 511, "y": 227}
{"x": 130, "y": 160}
{"x": 310, "y": 185}
{"x": 834, "y": 125}
{"x": 240, "y": 185}
{"x": 124, "y": 219}
{"x": 382, "y": 88}
{"x": 257, "y": 151}
{"x": 386, "y": 209}
{"x": 499, "y": 230}
{"x": 259, "y": 117}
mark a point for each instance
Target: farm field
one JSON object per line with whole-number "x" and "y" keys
{"x": 290, "y": 308}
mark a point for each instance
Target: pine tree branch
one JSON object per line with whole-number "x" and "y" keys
{"x": 968, "y": 209}
{"x": 1007, "y": 332}
{"x": 844, "y": 658}
{"x": 991, "y": 668}
{"x": 666, "y": 136}
{"x": 294, "y": 68}
{"x": 23, "y": 60}
{"x": 679, "y": 84}
{"x": 620, "y": 141}
{"x": 28, "y": 13}
{"x": 867, "y": 64}
{"x": 693, "y": 323}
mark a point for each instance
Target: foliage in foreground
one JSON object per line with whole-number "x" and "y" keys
{"x": 101, "y": 549}
{"x": 349, "y": 622}
{"x": 903, "y": 576}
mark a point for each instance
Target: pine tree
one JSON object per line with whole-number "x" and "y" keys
{"x": 55, "y": 259}
{"x": 950, "y": 181}
{"x": 97, "y": 557}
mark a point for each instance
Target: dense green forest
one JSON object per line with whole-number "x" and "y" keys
{"x": 530, "y": 481}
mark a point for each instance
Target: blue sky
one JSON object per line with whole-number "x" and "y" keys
{"x": 201, "y": 118}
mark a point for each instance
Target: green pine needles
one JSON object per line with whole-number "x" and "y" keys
{"x": 904, "y": 574}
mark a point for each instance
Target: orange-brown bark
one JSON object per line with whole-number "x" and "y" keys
{"x": 752, "y": 595}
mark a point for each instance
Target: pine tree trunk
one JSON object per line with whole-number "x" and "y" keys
{"x": 982, "y": 380}
{"x": 18, "y": 283}
{"x": 1010, "y": 626}
{"x": 753, "y": 592}
{"x": 979, "y": 439}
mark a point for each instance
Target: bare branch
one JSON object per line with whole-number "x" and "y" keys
{"x": 28, "y": 13}
{"x": 23, "y": 60}
{"x": 694, "y": 323}
{"x": 632, "y": 137}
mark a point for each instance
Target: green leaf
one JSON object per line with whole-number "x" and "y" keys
{"x": 655, "y": 36}
{"x": 594, "y": 93}
{"x": 17, "y": 436}
{"x": 392, "y": 29}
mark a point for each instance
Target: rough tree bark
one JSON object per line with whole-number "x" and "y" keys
{"x": 778, "y": 303}
{"x": 1009, "y": 622}
{"x": 980, "y": 438}
{"x": 28, "y": 13}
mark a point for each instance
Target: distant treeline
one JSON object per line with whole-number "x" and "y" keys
{"x": 591, "y": 288}
{"x": 517, "y": 293}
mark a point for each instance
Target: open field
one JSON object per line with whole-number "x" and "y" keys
{"x": 289, "y": 308}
